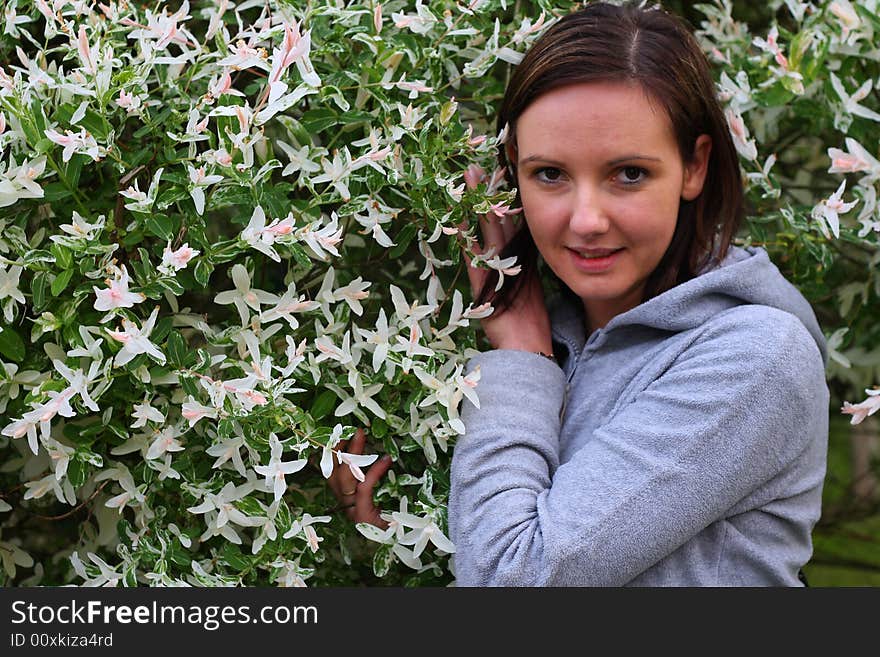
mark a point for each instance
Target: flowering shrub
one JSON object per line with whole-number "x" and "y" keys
{"x": 232, "y": 235}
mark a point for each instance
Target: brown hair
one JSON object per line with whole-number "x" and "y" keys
{"x": 629, "y": 43}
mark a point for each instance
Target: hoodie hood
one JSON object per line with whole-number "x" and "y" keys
{"x": 745, "y": 276}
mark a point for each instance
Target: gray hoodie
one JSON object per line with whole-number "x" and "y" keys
{"x": 683, "y": 444}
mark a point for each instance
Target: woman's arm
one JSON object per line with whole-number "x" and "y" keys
{"x": 733, "y": 411}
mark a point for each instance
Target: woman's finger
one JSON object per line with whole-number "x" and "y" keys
{"x": 357, "y": 443}
{"x": 364, "y": 508}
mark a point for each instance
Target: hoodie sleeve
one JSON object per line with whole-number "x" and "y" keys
{"x": 731, "y": 412}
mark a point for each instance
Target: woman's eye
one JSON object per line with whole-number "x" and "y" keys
{"x": 548, "y": 174}
{"x": 631, "y": 175}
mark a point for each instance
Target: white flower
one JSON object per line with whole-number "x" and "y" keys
{"x": 165, "y": 441}
{"x": 131, "y": 494}
{"x": 143, "y": 202}
{"x": 421, "y": 22}
{"x": 9, "y": 281}
{"x": 377, "y": 214}
{"x": 117, "y": 294}
{"x": 287, "y": 305}
{"x": 19, "y": 182}
{"x": 136, "y": 340}
{"x": 423, "y": 530}
{"x": 322, "y": 240}
{"x": 740, "y": 134}
{"x": 850, "y": 103}
{"x": 199, "y": 179}
{"x": 79, "y": 381}
{"x": 228, "y": 449}
{"x": 192, "y": 411}
{"x": 13, "y": 20}
{"x": 36, "y": 489}
{"x": 243, "y": 296}
{"x": 379, "y": 340}
{"x": 103, "y": 575}
{"x": 76, "y": 142}
{"x": 261, "y": 237}
{"x": 276, "y": 469}
{"x": 221, "y": 510}
{"x": 355, "y": 462}
{"x": 362, "y": 396}
{"x": 79, "y": 230}
{"x": 173, "y": 261}
{"x": 846, "y": 15}
{"x": 864, "y": 408}
{"x": 304, "y": 525}
{"x": 91, "y": 348}
{"x": 299, "y": 160}
{"x": 857, "y": 160}
{"x": 826, "y": 213}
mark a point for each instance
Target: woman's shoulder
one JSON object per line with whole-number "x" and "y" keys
{"x": 765, "y": 337}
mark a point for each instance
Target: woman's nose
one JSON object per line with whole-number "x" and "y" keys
{"x": 588, "y": 216}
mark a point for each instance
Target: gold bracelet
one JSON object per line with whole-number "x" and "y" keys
{"x": 548, "y": 356}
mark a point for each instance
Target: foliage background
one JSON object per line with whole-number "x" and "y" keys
{"x": 356, "y": 164}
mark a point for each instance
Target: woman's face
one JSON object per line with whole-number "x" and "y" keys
{"x": 601, "y": 179}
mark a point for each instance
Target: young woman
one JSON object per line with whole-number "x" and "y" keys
{"x": 663, "y": 419}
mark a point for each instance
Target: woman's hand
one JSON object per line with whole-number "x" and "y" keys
{"x": 525, "y": 325}
{"x": 357, "y": 496}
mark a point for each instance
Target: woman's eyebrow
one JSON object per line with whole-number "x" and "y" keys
{"x": 614, "y": 162}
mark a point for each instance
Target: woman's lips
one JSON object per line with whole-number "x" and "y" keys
{"x": 594, "y": 260}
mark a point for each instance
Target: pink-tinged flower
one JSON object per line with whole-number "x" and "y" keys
{"x": 740, "y": 133}
{"x": 863, "y": 409}
{"x": 136, "y": 340}
{"x": 117, "y": 294}
{"x": 161, "y": 27}
{"x": 244, "y": 55}
{"x": 304, "y": 525}
{"x": 243, "y": 296}
{"x": 193, "y": 411}
{"x": 474, "y": 175}
{"x": 166, "y": 441}
{"x": 858, "y": 159}
{"x": 129, "y": 102}
{"x": 377, "y": 17}
{"x": 86, "y": 54}
{"x": 846, "y": 15}
{"x": 421, "y": 22}
{"x": 79, "y": 142}
{"x": 276, "y": 469}
{"x": 527, "y": 28}
{"x": 173, "y": 261}
{"x": 502, "y": 210}
{"x": 414, "y": 88}
{"x": 827, "y": 212}
{"x": 222, "y": 85}
{"x": 355, "y": 462}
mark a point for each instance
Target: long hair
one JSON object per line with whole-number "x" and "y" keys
{"x": 629, "y": 43}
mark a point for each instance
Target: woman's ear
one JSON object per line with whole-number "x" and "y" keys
{"x": 695, "y": 170}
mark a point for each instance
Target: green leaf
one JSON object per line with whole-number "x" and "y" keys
{"x": 160, "y": 225}
{"x": 404, "y": 237}
{"x": 11, "y": 344}
{"x": 63, "y": 257}
{"x": 323, "y": 404}
{"x": 234, "y": 558}
{"x": 176, "y": 348}
{"x": 318, "y": 120}
{"x": 382, "y": 560}
{"x": 77, "y": 472}
{"x": 60, "y": 282}
{"x": 202, "y": 271}
{"x": 38, "y": 289}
